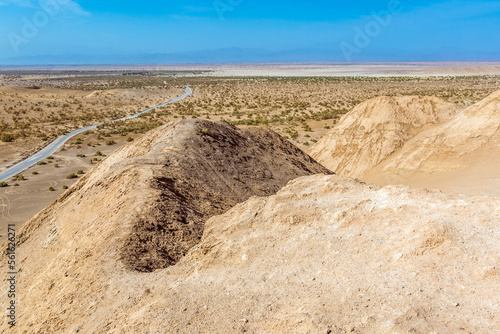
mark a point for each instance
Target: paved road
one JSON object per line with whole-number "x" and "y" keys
{"x": 59, "y": 142}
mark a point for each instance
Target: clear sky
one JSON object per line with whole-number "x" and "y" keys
{"x": 79, "y": 31}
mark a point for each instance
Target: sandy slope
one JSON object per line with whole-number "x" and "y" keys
{"x": 446, "y": 147}
{"x": 461, "y": 154}
{"x": 145, "y": 206}
{"x": 375, "y": 129}
{"x": 325, "y": 253}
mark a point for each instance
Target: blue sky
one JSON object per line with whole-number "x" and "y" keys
{"x": 73, "y": 31}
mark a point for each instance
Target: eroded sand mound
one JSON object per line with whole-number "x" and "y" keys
{"x": 461, "y": 155}
{"x": 447, "y": 146}
{"x": 375, "y": 129}
{"x": 164, "y": 186}
{"x": 326, "y": 254}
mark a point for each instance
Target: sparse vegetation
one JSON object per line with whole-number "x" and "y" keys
{"x": 7, "y": 137}
{"x": 294, "y": 107}
{"x": 71, "y": 176}
{"x": 293, "y": 134}
{"x": 3, "y": 184}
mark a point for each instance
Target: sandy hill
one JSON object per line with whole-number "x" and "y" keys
{"x": 459, "y": 156}
{"x": 375, "y": 129}
{"x": 323, "y": 255}
{"x": 142, "y": 209}
{"x": 458, "y": 152}
{"x": 165, "y": 185}
{"x": 446, "y": 146}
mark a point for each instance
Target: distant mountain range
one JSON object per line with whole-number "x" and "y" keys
{"x": 231, "y": 55}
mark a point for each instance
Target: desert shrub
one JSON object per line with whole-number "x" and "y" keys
{"x": 51, "y": 189}
{"x": 65, "y": 187}
{"x": 7, "y": 137}
{"x": 80, "y": 155}
{"x": 110, "y": 142}
{"x": 98, "y": 154}
{"x": 129, "y": 139}
{"x": 251, "y": 122}
{"x": 3, "y": 184}
{"x": 80, "y": 172}
{"x": 34, "y": 173}
{"x": 71, "y": 176}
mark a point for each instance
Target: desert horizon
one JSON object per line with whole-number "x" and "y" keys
{"x": 423, "y": 68}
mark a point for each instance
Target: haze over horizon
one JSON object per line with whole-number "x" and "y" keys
{"x": 41, "y": 32}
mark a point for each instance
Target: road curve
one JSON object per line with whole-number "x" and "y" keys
{"x": 59, "y": 142}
